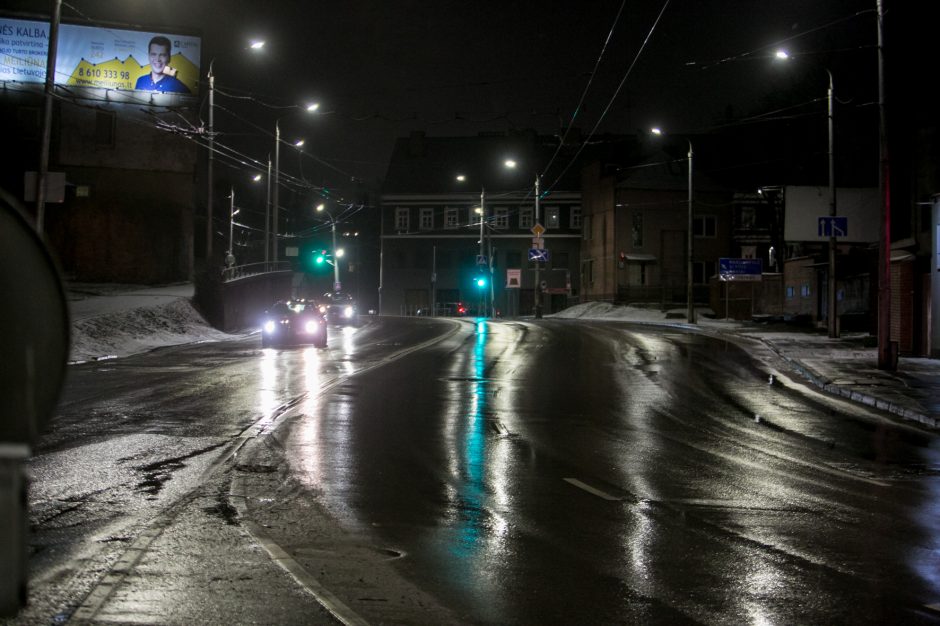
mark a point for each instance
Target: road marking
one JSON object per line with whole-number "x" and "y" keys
{"x": 336, "y": 607}
{"x": 591, "y": 490}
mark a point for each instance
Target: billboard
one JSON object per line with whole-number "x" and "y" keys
{"x": 99, "y": 57}
{"x": 807, "y": 209}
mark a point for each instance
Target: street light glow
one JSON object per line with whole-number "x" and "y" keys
{"x": 510, "y": 163}
{"x": 313, "y": 106}
{"x": 782, "y": 55}
{"x": 299, "y": 143}
{"x": 461, "y": 178}
{"x": 256, "y": 177}
{"x": 656, "y": 130}
{"x": 339, "y": 253}
{"x": 257, "y": 44}
{"x": 320, "y": 207}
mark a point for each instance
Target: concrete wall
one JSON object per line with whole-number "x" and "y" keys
{"x": 238, "y": 304}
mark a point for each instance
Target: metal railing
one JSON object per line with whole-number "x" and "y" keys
{"x": 253, "y": 269}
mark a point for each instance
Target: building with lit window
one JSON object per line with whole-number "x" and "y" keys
{"x": 437, "y": 244}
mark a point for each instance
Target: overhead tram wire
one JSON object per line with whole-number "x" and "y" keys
{"x": 587, "y": 87}
{"x": 610, "y": 103}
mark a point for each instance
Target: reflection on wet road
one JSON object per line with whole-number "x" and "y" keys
{"x": 578, "y": 473}
{"x": 498, "y": 472}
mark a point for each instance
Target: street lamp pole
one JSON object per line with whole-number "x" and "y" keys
{"x": 689, "y": 298}
{"x": 833, "y": 313}
{"x": 690, "y": 302}
{"x": 538, "y": 264}
{"x": 831, "y": 302}
{"x": 336, "y": 284}
{"x": 209, "y": 175}
{"x": 267, "y": 219}
{"x": 480, "y": 256}
{"x": 231, "y": 220}
{"x": 336, "y": 253}
{"x": 43, "y": 174}
{"x": 277, "y": 175}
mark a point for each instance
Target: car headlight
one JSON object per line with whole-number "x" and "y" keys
{"x": 311, "y": 326}
{"x": 269, "y": 326}
{"x": 349, "y": 311}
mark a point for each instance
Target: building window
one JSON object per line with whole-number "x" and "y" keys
{"x": 637, "y": 229}
{"x": 551, "y": 217}
{"x": 525, "y": 218}
{"x": 426, "y": 219}
{"x": 704, "y": 226}
{"x": 575, "y": 217}
{"x": 790, "y": 292}
{"x": 104, "y": 129}
{"x": 747, "y": 218}
{"x": 804, "y": 290}
{"x": 451, "y": 218}
{"x": 502, "y": 217}
{"x": 401, "y": 220}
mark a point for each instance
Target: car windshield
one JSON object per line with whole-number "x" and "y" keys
{"x": 282, "y": 308}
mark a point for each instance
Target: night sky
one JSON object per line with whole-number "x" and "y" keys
{"x": 382, "y": 68}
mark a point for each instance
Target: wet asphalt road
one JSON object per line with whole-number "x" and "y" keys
{"x": 429, "y": 471}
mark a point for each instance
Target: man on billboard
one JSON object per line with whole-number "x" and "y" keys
{"x": 161, "y": 76}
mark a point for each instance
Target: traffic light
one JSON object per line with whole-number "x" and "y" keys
{"x": 480, "y": 282}
{"x": 319, "y": 257}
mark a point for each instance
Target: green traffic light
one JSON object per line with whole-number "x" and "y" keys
{"x": 481, "y": 282}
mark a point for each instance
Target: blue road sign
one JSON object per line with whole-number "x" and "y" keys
{"x": 739, "y": 269}
{"x": 537, "y": 254}
{"x": 832, "y": 226}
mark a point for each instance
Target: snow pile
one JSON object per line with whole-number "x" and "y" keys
{"x": 134, "y": 330}
{"x": 608, "y": 311}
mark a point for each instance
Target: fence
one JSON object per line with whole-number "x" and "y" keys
{"x": 253, "y": 269}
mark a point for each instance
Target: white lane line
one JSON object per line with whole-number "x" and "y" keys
{"x": 336, "y": 607}
{"x": 591, "y": 490}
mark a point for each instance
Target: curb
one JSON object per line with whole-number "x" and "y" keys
{"x": 852, "y": 394}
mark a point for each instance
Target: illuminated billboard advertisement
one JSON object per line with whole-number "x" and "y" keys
{"x": 98, "y": 57}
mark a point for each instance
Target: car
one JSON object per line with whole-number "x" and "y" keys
{"x": 340, "y": 309}
{"x": 452, "y": 309}
{"x": 293, "y": 322}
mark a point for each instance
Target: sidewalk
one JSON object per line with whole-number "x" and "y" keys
{"x": 848, "y": 367}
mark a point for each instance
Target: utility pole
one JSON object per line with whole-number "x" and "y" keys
{"x": 833, "y": 316}
{"x": 43, "y": 175}
{"x": 538, "y": 264}
{"x": 886, "y": 360}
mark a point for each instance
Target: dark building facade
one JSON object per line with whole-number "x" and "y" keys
{"x": 434, "y": 246}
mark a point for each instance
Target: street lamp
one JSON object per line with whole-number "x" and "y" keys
{"x": 832, "y": 317}
{"x": 481, "y": 210}
{"x": 210, "y": 132}
{"x": 310, "y": 108}
{"x": 336, "y": 253}
{"x": 690, "y": 303}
